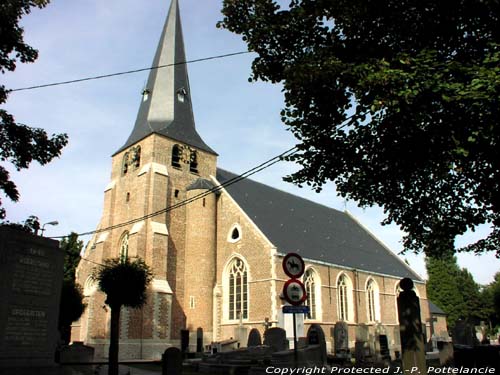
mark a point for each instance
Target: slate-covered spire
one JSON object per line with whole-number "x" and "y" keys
{"x": 166, "y": 107}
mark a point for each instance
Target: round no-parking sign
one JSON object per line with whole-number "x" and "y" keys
{"x": 294, "y": 292}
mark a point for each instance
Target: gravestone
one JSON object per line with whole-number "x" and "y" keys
{"x": 199, "y": 340}
{"x": 383, "y": 344}
{"x": 172, "y": 362}
{"x": 184, "y": 340}
{"x": 254, "y": 338}
{"x": 276, "y": 338}
{"x": 362, "y": 344}
{"x": 410, "y": 325}
{"x": 341, "y": 339}
{"x": 316, "y": 336}
{"x": 463, "y": 334}
{"x": 31, "y": 270}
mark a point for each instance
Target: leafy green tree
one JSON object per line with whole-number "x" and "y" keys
{"x": 395, "y": 101}
{"x": 443, "y": 288}
{"x": 72, "y": 247}
{"x": 19, "y": 143}
{"x": 125, "y": 284}
{"x": 471, "y": 294}
{"x": 30, "y": 225}
{"x": 71, "y": 305}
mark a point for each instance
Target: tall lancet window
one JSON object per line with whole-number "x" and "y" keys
{"x": 343, "y": 298}
{"x": 176, "y": 156}
{"x": 372, "y": 301}
{"x": 125, "y": 163}
{"x": 310, "y": 285}
{"x": 124, "y": 247}
{"x": 193, "y": 162}
{"x": 238, "y": 290}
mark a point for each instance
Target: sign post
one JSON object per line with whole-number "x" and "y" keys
{"x": 294, "y": 292}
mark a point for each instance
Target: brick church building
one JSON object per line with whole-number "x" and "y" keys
{"x": 217, "y": 260}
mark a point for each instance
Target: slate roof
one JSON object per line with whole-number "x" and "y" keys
{"x": 434, "y": 310}
{"x": 314, "y": 231}
{"x": 202, "y": 184}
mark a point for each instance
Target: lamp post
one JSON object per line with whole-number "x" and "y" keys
{"x": 49, "y": 223}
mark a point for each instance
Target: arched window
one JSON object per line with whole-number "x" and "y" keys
{"x": 372, "y": 301}
{"x": 125, "y": 163}
{"x": 90, "y": 287}
{"x": 344, "y": 298}
{"x": 136, "y": 157}
{"x": 124, "y": 247}
{"x": 310, "y": 285}
{"x": 193, "y": 162}
{"x": 176, "y": 156}
{"x": 238, "y": 290}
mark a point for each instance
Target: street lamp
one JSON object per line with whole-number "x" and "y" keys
{"x": 49, "y": 223}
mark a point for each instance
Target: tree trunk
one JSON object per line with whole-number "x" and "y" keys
{"x": 113, "y": 340}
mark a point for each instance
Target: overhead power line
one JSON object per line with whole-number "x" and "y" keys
{"x": 217, "y": 188}
{"x": 127, "y": 72}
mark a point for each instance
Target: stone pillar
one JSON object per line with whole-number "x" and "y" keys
{"x": 410, "y": 327}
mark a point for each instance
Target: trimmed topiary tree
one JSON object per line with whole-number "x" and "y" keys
{"x": 125, "y": 284}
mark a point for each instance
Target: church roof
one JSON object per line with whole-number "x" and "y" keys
{"x": 201, "y": 184}
{"x": 435, "y": 310}
{"x": 166, "y": 107}
{"x": 314, "y": 231}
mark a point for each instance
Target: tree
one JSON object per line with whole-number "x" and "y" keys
{"x": 71, "y": 305}
{"x": 30, "y": 225}
{"x": 125, "y": 284}
{"x": 471, "y": 294}
{"x": 19, "y": 143}
{"x": 395, "y": 101}
{"x": 72, "y": 247}
{"x": 443, "y": 288}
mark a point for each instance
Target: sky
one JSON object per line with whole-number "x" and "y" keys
{"x": 238, "y": 119}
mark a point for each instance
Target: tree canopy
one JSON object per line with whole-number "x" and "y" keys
{"x": 125, "y": 283}
{"x": 395, "y": 101}
{"x": 19, "y": 143}
{"x": 71, "y": 306}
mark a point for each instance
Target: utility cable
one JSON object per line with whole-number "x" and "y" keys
{"x": 217, "y": 188}
{"x": 127, "y": 72}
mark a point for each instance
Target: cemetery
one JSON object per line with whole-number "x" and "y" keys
{"x": 31, "y": 267}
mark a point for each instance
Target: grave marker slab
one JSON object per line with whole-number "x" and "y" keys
{"x": 31, "y": 270}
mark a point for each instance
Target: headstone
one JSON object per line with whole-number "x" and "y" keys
{"x": 362, "y": 344}
{"x": 410, "y": 325}
{"x": 463, "y": 334}
{"x": 31, "y": 270}
{"x": 276, "y": 338}
{"x": 76, "y": 353}
{"x": 199, "y": 340}
{"x": 383, "y": 344}
{"x": 316, "y": 336}
{"x": 172, "y": 362}
{"x": 184, "y": 340}
{"x": 341, "y": 337}
{"x": 254, "y": 338}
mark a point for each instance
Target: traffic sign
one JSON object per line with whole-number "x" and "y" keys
{"x": 295, "y": 309}
{"x": 293, "y": 265}
{"x": 294, "y": 292}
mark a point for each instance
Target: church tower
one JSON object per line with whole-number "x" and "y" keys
{"x": 163, "y": 162}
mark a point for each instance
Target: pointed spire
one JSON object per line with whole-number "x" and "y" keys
{"x": 166, "y": 106}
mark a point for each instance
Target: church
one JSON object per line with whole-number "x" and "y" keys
{"x": 216, "y": 247}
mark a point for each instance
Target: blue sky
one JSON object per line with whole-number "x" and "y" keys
{"x": 240, "y": 120}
